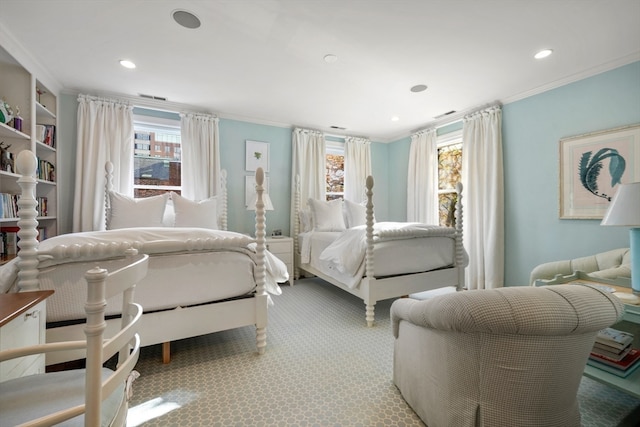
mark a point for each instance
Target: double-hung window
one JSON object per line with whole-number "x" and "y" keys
{"x": 449, "y": 174}
{"x": 334, "y": 170}
{"x": 156, "y": 157}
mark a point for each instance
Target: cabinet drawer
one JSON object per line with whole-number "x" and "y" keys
{"x": 25, "y": 330}
{"x": 277, "y": 248}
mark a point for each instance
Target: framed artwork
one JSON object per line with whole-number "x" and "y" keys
{"x": 591, "y": 168}
{"x": 257, "y": 155}
{"x": 250, "y": 188}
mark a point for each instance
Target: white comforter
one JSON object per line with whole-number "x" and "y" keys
{"x": 153, "y": 240}
{"x": 346, "y": 254}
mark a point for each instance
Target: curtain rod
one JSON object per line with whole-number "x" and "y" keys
{"x": 456, "y": 117}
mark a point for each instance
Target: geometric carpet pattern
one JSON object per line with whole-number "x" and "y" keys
{"x": 322, "y": 367}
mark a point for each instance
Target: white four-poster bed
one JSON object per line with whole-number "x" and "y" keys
{"x": 199, "y": 281}
{"x": 395, "y": 259}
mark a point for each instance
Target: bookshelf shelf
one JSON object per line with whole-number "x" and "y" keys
{"x": 38, "y": 107}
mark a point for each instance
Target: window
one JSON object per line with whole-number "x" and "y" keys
{"x": 157, "y": 171}
{"x": 449, "y": 174}
{"x": 334, "y": 170}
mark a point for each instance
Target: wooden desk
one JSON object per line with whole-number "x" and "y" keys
{"x": 630, "y": 322}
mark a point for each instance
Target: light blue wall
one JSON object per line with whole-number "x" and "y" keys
{"x": 233, "y": 134}
{"x": 532, "y": 129}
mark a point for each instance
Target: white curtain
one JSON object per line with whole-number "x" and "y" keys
{"x": 357, "y": 166}
{"x": 200, "y": 156}
{"x": 105, "y": 133}
{"x": 309, "y": 162}
{"x": 422, "y": 179}
{"x": 483, "y": 198}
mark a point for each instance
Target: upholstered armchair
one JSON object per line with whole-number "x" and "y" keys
{"x": 607, "y": 265}
{"x": 501, "y": 357}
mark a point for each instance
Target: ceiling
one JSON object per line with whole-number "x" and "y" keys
{"x": 262, "y": 60}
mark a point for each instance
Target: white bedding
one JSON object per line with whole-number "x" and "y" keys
{"x": 400, "y": 248}
{"x": 176, "y": 277}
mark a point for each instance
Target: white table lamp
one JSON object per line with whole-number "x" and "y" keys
{"x": 268, "y": 206}
{"x": 624, "y": 210}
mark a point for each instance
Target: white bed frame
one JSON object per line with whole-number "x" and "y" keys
{"x": 372, "y": 289}
{"x": 155, "y": 327}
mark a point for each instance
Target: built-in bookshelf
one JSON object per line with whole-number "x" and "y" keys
{"x": 34, "y": 130}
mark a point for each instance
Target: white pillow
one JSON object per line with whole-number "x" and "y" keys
{"x": 355, "y": 214}
{"x": 169, "y": 217}
{"x": 306, "y": 222}
{"x": 202, "y": 214}
{"x": 128, "y": 212}
{"x": 327, "y": 216}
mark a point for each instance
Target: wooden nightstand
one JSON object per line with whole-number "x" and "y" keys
{"x": 23, "y": 318}
{"x": 282, "y": 248}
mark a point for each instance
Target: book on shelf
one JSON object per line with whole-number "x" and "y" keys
{"x": 614, "y": 338}
{"x": 631, "y": 358}
{"x": 611, "y": 352}
{"x": 46, "y": 134}
{"x": 610, "y": 369}
{"x": 9, "y": 240}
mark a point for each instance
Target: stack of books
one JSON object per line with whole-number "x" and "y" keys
{"x": 613, "y": 352}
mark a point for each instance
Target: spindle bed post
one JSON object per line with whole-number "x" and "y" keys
{"x": 369, "y": 254}
{"x": 261, "y": 294}
{"x": 27, "y": 213}
{"x": 460, "y": 264}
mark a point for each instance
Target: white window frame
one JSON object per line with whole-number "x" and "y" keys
{"x": 155, "y": 124}
{"x": 334, "y": 148}
{"x": 445, "y": 140}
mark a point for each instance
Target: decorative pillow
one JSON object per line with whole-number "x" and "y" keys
{"x": 169, "y": 217}
{"x": 327, "y": 216}
{"x": 202, "y": 214}
{"x": 306, "y": 223}
{"x": 129, "y": 212}
{"x": 354, "y": 214}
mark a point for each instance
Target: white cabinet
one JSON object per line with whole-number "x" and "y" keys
{"x": 22, "y": 323}
{"x": 282, "y": 248}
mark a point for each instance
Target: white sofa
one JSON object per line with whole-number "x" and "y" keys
{"x": 501, "y": 357}
{"x": 607, "y": 265}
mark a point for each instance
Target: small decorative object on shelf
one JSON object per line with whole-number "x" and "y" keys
{"x": 17, "y": 120}
{"x": 6, "y": 158}
{"x": 6, "y": 114}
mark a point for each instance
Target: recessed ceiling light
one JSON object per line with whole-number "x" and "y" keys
{"x": 395, "y": 118}
{"x": 543, "y": 53}
{"x": 186, "y": 19}
{"x": 330, "y": 58}
{"x": 419, "y": 88}
{"x": 127, "y": 64}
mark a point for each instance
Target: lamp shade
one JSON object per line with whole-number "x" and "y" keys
{"x": 624, "y": 209}
{"x": 268, "y": 206}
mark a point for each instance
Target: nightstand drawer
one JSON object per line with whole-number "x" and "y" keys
{"x": 276, "y": 247}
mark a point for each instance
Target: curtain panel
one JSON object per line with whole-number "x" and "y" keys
{"x": 357, "y": 166}
{"x": 422, "y": 179}
{"x": 200, "y": 156}
{"x": 309, "y": 163}
{"x": 483, "y": 198}
{"x": 105, "y": 133}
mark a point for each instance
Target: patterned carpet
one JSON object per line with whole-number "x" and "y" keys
{"x": 322, "y": 367}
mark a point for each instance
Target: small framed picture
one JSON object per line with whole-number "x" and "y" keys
{"x": 257, "y": 155}
{"x": 592, "y": 166}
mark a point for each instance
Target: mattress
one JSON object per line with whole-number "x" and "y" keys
{"x": 391, "y": 257}
{"x": 173, "y": 280}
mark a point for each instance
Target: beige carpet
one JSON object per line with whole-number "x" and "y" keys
{"x": 322, "y": 367}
